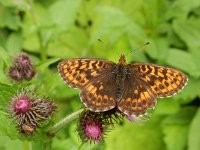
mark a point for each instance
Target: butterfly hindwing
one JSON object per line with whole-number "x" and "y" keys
{"x": 163, "y": 81}
{"x": 79, "y": 72}
{"x": 137, "y": 97}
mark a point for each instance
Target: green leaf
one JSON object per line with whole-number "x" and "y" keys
{"x": 175, "y": 131}
{"x": 175, "y": 128}
{"x": 21, "y": 5}
{"x": 8, "y": 144}
{"x": 114, "y": 23}
{"x": 189, "y": 93}
{"x": 188, "y": 31}
{"x": 14, "y": 43}
{"x": 184, "y": 61}
{"x": 134, "y": 136}
{"x": 64, "y": 46}
{"x": 65, "y": 17}
{"x": 47, "y": 63}
{"x": 4, "y": 56}
{"x": 182, "y": 117}
{"x": 166, "y": 107}
{"x": 34, "y": 19}
{"x": 158, "y": 49}
{"x": 194, "y": 136}
{"x": 181, "y": 8}
{"x": 7, "y": 128}
{"x": 8, "y": 18}
{"x": 62, "y": 91}
{"x": 7, "y": 2}
{"x": 7, "y": 92}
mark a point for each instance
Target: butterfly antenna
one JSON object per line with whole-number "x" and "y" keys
{"x": 139, "y": 49}
{"x": 107, "y": 46}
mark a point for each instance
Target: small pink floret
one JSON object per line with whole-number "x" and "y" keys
{"x": 93, "y": 132}
{"x": 21, "y": 105}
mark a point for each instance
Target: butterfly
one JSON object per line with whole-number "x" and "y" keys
{"x": 132, "y": 88}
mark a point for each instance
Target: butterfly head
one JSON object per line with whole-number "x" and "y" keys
{"x": 122, "y": 59}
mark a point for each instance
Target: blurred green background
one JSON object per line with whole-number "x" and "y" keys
{"x": 52, "y": 30}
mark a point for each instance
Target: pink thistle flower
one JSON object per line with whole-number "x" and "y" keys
{"x": 29, "y": 111}
{"x": 92, "y": 125}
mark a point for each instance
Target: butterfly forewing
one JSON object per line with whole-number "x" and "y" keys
{"x": 78, "y": 72}
{"x": 163, "y": 81}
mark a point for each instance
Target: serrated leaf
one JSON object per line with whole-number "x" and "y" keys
{"x": 194, "y": 136}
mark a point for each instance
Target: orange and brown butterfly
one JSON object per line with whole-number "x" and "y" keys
{"x": 132, "y": 88}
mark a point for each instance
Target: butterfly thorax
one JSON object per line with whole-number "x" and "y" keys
{"x": 120, "y": 72}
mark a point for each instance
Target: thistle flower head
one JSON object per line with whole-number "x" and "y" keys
{"x": 29, "y": 111}
{"x": 92, "y": 125}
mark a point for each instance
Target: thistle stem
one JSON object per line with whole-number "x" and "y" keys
{"x": 26, "y": 145}
{"x": 62, "y": 123}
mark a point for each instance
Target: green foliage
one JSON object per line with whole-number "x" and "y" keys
{"x": 50, "y": 31}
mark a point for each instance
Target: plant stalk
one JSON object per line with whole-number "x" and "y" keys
{"x": 62, "y": 123}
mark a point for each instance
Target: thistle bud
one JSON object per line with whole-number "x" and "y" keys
{"x": 21, "y": 69}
